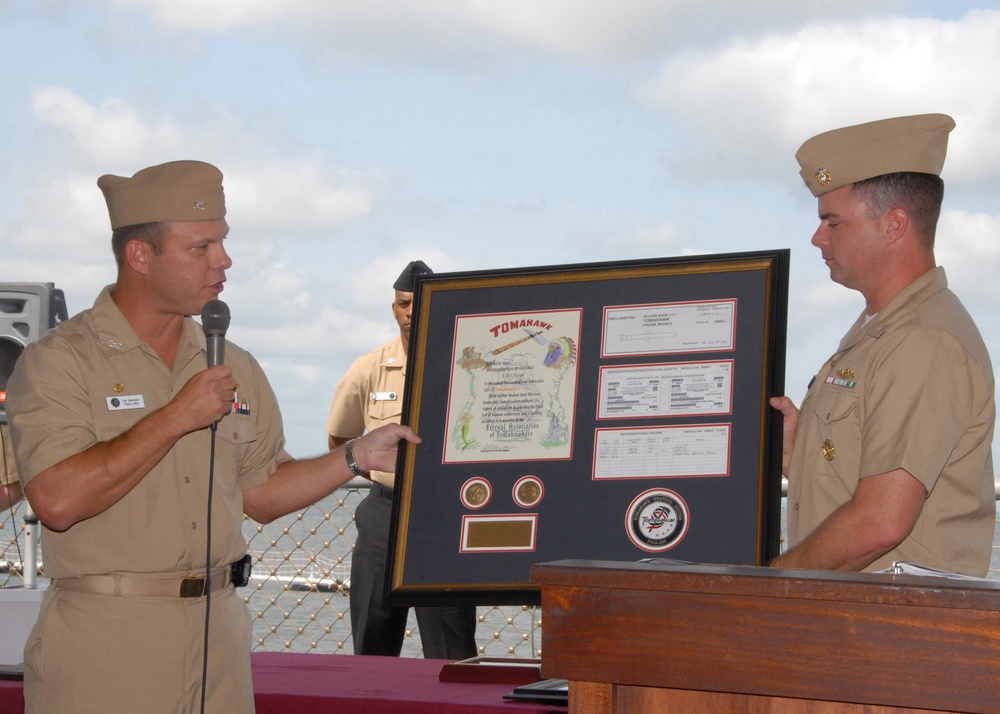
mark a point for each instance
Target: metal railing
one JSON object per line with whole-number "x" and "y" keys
{"x": 299, "y": 592}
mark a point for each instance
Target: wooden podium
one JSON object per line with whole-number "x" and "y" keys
{"x": 642, "y": 637}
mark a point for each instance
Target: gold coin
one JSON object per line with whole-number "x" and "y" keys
{"x": 528, "y": 492}
{"x": 476, "y": 494}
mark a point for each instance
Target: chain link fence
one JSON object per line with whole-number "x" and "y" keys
{"x": 299, "y": 592}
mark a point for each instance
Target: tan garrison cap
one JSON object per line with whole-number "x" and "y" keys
{"x": 845, "y": 156}
{"x": 176, "y": 191}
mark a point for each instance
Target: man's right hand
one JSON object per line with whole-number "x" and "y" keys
{"x": 376, "y": 450}
{"x": 206, "y": 397}
{"x": 88, "y": 483}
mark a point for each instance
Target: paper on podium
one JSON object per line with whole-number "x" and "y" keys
{"x": 902, "y": 567}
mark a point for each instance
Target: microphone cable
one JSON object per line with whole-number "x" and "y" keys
{"x": 208, "y": 572}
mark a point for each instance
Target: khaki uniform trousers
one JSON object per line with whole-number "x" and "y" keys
{"x": 104, "y": 654}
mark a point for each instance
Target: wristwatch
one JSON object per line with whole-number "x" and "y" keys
{"x": 352, "y": 463}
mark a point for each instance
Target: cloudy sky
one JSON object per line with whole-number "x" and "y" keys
{"x": 356, "y": 136}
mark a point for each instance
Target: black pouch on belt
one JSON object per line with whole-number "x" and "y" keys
{"x": 240, "y": 571}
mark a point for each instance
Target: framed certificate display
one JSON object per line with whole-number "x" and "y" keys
{"x": 606, "y": 411}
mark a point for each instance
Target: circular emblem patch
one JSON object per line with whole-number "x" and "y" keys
{"x": 657, "y": 520}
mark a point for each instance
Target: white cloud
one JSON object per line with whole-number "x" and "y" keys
{"x": 967, "y": 245}
{"x": 627, "y": 241}
{"x": 35, "y": 221}
{"x": 114, "y": 132}
{"x": 297, "y": 198}
{"x": 289, "y": 198}
{"x": 57, "y": 216}
{"x": 58, "y": 229}
{"x": 593, "y": 31}
{"x": 750, "y": 104}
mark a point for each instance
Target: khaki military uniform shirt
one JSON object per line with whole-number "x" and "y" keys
{"x": 370, "y": 395}
{"x": 92, "y": 378}
{"x": 913, "y": 390}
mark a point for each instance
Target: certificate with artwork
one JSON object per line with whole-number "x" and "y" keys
{"x": 604, "y": 411}
{"x": 513, "y": 386}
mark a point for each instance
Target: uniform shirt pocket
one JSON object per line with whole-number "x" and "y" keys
{"x": 837, "y": 414}
{"x": 235, "y": 435}
{"x": 387, "y": 410}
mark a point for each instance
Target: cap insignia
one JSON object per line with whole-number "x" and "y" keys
{"x": 199, "y": 205}
{"x": 823, "y": 176}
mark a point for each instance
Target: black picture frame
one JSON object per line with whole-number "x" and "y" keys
{"x": 608, "y": 411}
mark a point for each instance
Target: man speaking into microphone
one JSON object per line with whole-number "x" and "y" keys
{"x": 111, "y": 415}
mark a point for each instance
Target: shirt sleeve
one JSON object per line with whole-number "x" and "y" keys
{"x": 920, "y": 403}
{"x": 49, "y": 408}
{"x": 268, "y": 450}
{"x": 347, "y": 413}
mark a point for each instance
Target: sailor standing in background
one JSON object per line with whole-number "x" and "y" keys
{"x": 368, "y": 396}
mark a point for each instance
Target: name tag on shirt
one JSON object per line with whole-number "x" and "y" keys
{"x": 383, "y": 396}
{"x": 132, "y": 401}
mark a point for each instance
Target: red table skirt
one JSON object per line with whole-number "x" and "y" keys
{"x": 286, "y": 683}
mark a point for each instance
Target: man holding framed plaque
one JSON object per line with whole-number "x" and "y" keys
{"x": 889, "y": 458}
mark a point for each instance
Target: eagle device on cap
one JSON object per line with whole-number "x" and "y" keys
{"x": 177, "y": 191}
{"x": 855, "y": 153}
{"x": 404, "y": 283}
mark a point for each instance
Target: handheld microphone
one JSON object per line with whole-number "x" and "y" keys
{"x": 215, "y": 321}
